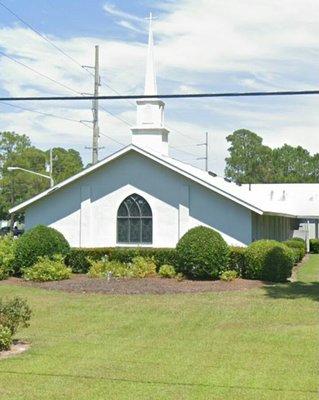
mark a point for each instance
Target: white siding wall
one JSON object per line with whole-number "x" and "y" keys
{"x": 85, "y": 212}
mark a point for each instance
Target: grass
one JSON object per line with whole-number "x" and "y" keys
{"x": 255, "y": 344}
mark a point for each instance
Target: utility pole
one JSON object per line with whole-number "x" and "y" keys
{"x": 51, "y": 168}
{"x": 95, "y": 109}
{"x": 206, "y": 152}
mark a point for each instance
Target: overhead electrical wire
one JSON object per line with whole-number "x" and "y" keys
{"x": 164, "y": 96}
{"x": 44, "y": 37}
{"x": 39, "y": 73}
{"x": 81, "y": 66}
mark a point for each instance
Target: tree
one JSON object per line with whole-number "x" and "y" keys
{"x": 250, "y": 160}
{"x": 65, "y": 163}
{"x": 315, "y": 168}
{"x": 17, "y": 186}
{"x": 292, "y": 164}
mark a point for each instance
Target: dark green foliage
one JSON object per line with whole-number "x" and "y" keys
{"x": 268, "y": 260}
{"x": 298, "y": 247}
{"x": 202, "y": 253}
{"x": 314, "y": 246}
{"x": 78, "y": 259}
{"x": 237, "y": 259}
{"x": 250, "y": 161}
{"x": 38, "y": 241}
{"x": 14, "y": 314}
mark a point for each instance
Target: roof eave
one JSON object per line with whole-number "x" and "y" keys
{"x": 154, "y": 157}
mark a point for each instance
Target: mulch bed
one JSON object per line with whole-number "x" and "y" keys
{"x": 17, "y": 347}
{"x": 156, "y": 285}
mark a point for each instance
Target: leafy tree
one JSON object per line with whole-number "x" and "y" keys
{"x": 17, "y": 186}
{"x": 65, "y": 163}
{"x": 250, "y": 160}
{"x": 11, "y": 142}
{"x": 315, "y": 168}
{"x": 292, "y": 164}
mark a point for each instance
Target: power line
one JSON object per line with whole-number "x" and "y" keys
{"x": 114, "y": 140}
{"x": 63, "y": 118}
{"x": 40, "y": 112}
{"x": 38, "y": 73}
{"x": 116, "y": 116}
{"x": 164, "y": 96}
{"x": 44, "y": 37}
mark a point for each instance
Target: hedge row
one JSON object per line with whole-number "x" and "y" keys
{"x": 314, "y": 246}
{"x": 78, "y": 258}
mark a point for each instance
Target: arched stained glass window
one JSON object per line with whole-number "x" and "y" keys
{"x": 134, "y": 221}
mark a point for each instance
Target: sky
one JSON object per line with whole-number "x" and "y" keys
{"x": 200, "y": 46}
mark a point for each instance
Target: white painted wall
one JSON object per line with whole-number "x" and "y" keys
{"x": 86, "y": 210}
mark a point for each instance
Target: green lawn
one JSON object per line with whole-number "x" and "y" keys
{"x": 255, "y": 344}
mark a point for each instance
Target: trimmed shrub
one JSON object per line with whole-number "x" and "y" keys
{"x": 47, "y": 269}
{"x": 229, "y": 275}
{"x": 142, "y": 267}
{"x": 298, "y": 247}
{"x": 7, "y": 244}
{"x": 299, "y": 240}
{"x": 139, "y": 268}
{"x": 39, "y": 241}
{"x": 14, "y": 314}
{"x": 314, "y": 246}
{"x": 79, "y": 259}
{"x": 268, "y": 260}
{"x": 167, "y": 271}
{"x": 202, "y": 253}
{"x": 5, "y": 338}
{"x": 101, "y": 269}
{"x": 237, "y": 259}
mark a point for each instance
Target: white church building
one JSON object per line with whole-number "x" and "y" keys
{"x": 140, "y": 196}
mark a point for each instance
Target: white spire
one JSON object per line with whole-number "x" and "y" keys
{"x": 150, "y": 131}
{"x": 150, "y": 78}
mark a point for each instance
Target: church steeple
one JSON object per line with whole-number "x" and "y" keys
{"x": 149, "y": 131}
{"x": 150, "y": 77}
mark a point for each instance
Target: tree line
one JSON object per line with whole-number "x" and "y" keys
{"x": 17, "y": 186}
{"x": 250, "y": 161}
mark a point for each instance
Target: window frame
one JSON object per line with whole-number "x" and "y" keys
{"x": 134, "y": 197}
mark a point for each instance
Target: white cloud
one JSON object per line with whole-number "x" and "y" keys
{"x": 116, "y": 12}
{"x": 202, "y": 45}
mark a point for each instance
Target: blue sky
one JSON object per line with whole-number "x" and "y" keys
{"x": 202, "y": 45}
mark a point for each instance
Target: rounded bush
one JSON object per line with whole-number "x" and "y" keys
{"x": 39, "y": 241}
{"x": 298, "y": 247}
{"x": 314, "y": 246}
{"x": 268, "y": 260}
{"x": 167, "y": 271}
{"x": 202, "y": 253}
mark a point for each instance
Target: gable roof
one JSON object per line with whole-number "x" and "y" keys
{"x": 254, "y": 200}
{"x": 218, "y": 185}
